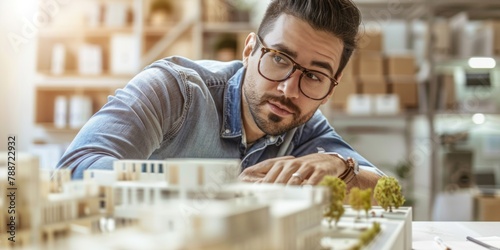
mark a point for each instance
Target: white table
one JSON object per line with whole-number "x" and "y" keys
{"x": 452, "y": 233}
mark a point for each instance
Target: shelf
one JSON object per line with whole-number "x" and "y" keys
{"x": 385, "y": 3}
{"x": 478, "y": 9}
{"x": 408, "y": 9}
{"x": 158, "y": 30}
{"x": 242, "y": 27}
{"x": 403, "y": 115}
{"x": 181, "y": 35}
{"x": 70, "y": 32}
{"x": 46, "y": 101}
{"x": 402, "y": 9}
{"x": 458, "y": 113}
{"x": 107, "y": 31}
{"x": 462, "y": 62}
{"x": 370, "y": 129}
{"x": 45, "y": 79}
{"x": 371, "y": 124}
{"x": 51, "y": 128}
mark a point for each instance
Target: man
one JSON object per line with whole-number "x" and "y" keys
{"x": 263, "y": 110}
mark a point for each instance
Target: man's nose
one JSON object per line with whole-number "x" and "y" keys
{"x": 290, "y": 86}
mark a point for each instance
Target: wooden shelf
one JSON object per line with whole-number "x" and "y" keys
{"x": 63, "y": 32}
{"x": 459, "y": 113}
{"x": 408, "y": 9}
{"x": 158, "y": 30}
{"x": 46, "y": 99}
{"x": 184, "y": 35}
{"x": 402, "y": 115}
{"x": 45, "y": 79}
{"x": 50, "y": 127}
{"x": 107, "y": 31}
{"x": 462, "y": 62}
{"x": 228, "y": 27}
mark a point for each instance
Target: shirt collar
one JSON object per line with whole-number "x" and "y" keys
{"x": 232, "y": 106}
{"x": 232, "y": 123}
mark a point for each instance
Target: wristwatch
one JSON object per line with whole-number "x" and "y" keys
{"x": 350, "y": 162}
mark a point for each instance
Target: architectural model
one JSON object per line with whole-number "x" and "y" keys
{"x": 183, "y": 204}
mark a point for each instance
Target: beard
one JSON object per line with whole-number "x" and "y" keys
{"x": 271, "y": 123}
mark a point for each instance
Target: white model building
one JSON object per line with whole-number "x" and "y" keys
{"x": 176, "y": 204}
{"x": 295, "y": 212}
{"x": 45, "y": 208}
{"x": 25, "y": 204}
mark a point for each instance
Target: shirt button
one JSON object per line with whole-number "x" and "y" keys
{"x": 227, "y": 131}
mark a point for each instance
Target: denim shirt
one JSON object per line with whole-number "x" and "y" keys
{"x": 178, "y": 108}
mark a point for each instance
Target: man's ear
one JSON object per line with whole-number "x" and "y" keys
{"x": 339, "y": 78}
{"x": 250, "y": 43}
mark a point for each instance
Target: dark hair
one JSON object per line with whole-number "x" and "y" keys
{"x": 338, "y": 17}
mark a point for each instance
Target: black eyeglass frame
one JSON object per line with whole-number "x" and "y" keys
{"x": 264, "y": 50}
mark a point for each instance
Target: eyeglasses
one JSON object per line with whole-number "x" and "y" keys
{"x": 277, "y": 66}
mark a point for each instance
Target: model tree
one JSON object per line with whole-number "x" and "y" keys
{"x": 387, "y": 193}
{"x": 355, "y": 200}
{"x": 367, "y": 236}
{"x": 360, "y": 200}
{"x": 366, "y": 200}
{"x": 337, "y": 189}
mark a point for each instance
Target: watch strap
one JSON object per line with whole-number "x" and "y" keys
{"x": 352, "y": 166}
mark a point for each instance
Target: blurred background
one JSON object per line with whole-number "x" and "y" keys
{"x": 420, "y": 98}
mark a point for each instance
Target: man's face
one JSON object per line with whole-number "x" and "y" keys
{"x": 277, "y": 107}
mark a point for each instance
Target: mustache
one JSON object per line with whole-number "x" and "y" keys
{"x": 283, "y": 101}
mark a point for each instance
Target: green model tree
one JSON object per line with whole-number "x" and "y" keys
{"x": 355, "y": 200}
{"x": 367, "y": 236}
{"x": 388, "y": 193}
{"x": 360, "y": 200}
{"x": 366, "y": 200}
{"x": 337, "y": 194}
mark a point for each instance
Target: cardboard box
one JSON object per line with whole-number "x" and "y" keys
{"x": 380, "y": 87}
{"x": 483, "y": 40}
{"x": 407, "y": 90}
{"x": 447, "y": 95}
{"x": 462, "y": 38}
{"x": 359, "y": 104}
{"x": 442, "y": 38}
{"x": 371, "y": 79}
{"x": 496, "y": 38}
{"x": 370, "y": 67}
{"x": 370, "y": 41}
{"x": 487, "y": 39}
{"x": 386, "y": 104}
{"x": 370, "y": 63}
{"x": 400, "y": 65}
{"x": 402, "y": 79}
{"x": 486, "y": 208}
{"x": 346, "y": 87}
{"x": 349, "y": 70}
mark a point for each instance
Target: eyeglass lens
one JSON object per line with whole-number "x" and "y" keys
{"x": 278, "y": 67}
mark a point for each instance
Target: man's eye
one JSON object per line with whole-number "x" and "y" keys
{"x": 313, "y": 76}
{"x": 279, "y": 59}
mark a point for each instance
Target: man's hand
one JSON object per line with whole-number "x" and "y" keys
{"x": 309, "y": 169}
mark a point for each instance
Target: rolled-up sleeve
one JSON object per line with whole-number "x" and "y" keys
{"x": 132, "y": 124}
